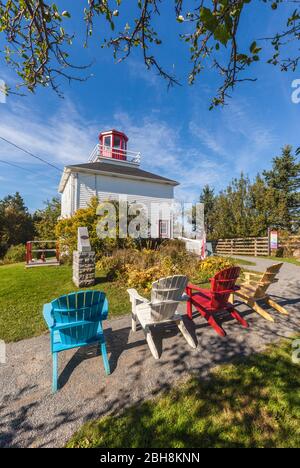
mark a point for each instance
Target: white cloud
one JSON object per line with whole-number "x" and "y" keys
{"x": 235, "y": 135}
{"x": 238, "y": 120}
{"x": 138, "y": 70}
{"x": 62, "y": 138}
{"x": 208, "y": 138}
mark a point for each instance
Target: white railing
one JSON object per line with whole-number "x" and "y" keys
{"x": 101, "y": 151}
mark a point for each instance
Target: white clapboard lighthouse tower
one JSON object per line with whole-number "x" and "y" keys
{"x": 113, "y": 170}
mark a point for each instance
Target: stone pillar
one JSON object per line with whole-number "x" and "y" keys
{"x": 83, "y": 261}
{"x": 83, "y": 269}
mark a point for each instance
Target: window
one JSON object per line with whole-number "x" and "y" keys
{"x": 163, "y": 228}
{"x": 107, "y": 141}
{"x": 117, "y": 142}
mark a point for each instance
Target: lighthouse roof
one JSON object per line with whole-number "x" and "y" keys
{"x": 116, "y": 170}
{"x": 122, "y": 170}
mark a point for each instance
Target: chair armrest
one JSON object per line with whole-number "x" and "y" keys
{"x": 104, "y": 311}
{"x": 252, "y": 276}
{"x": 252, "y": 273}
{"x": 185, "y": 297}
{"x": 192, "y": 287}
{"x": 47, "y": 309}
{"x": 136, "y": 297}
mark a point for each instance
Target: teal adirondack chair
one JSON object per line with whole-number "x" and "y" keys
{"x": 75, "y": 320}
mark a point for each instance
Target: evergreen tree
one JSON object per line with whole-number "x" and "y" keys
{"x": 284, "y": 177}
{"x": 267, "y": 206}
{"x": 208, "y": 198}
{"x": 16, "y": 224}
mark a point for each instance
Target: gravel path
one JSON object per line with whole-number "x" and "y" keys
{"x": 30, "y": 416}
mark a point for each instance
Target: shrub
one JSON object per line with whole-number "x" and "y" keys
{"x": 140, "y": 268}
{"x": 143, "y": 279}
{"x": 15, "y": 254}
{"x": 114, "y": 266}
{"x": 172, "y": 246}
{"x": 212, "y": 265}
{"x": 67, "y": 231}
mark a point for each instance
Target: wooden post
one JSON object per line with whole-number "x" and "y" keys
{"x": 57, "y": 251}
{"x": 269, "y": 241}
{"x": 255, "y": 247}
{"x": 28, "y": 252}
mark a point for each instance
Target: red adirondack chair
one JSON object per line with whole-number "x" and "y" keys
{"x": 209, "y": 302}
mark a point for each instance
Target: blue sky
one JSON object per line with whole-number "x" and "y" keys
{"x": 176, "y": 133}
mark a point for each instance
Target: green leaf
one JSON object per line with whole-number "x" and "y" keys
{"x": 221, "y": 34}
{"x": 208, "y": 19}
{"x": 254, "y": 49}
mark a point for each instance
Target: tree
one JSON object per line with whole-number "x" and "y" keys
{"x": 244, "y": 209}
{"x": 45, "y": 220}
{"x": 37, "y": 45}
{"x": 208, "y": 199}
{"x": 284, "y": 177}
{"x": 16, "y": 224}
{"x": 67, "y": 229}
{"x": 267, "y": 207}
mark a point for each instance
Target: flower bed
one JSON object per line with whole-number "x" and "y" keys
{"x": 139, "y": 268}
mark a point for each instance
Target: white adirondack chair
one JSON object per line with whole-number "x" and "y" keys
{"x": 166, "y": 295}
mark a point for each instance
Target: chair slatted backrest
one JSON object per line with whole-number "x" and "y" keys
{"x": 268, "y": 278}
{"x": 85, "y": 308}
{"x": 166, "y": 294}
{"x": 222, "y": 285}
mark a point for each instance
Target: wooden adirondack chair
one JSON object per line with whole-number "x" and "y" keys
{"x": 255, "y": 287}
{"x": 166, "y": 295}
{"x": 75, "y": 320}
{"x": 210, "y": 302}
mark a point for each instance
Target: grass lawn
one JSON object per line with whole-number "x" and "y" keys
{"x": 254, "y": 403}
{"x": 24, "y": 291}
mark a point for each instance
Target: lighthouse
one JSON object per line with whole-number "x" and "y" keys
{"x": 113, "y": 170}
{"x": 113, "y": 144}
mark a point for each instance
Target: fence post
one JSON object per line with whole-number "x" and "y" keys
{"x": 231, "y": 247}
{"x": 255, "y": 247}
{"x": 269, "y": 242}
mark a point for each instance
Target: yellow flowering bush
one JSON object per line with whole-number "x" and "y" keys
{"x": 143, "y": 279}
{"x": 210, "y": 266}
{"x": 140, "y": 268}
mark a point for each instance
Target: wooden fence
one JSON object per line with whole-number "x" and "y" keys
{"x": 257, "y": 246}
{"x": 254, "y": 246}
{"x": 291, "y": 243}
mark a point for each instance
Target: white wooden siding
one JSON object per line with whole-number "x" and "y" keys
{"x": 87, "y": 189}
{"x": 66, "y": 200}
{"x": 90, "y": 185}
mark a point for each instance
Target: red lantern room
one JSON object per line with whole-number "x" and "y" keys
{"x": 113, "y": 144}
